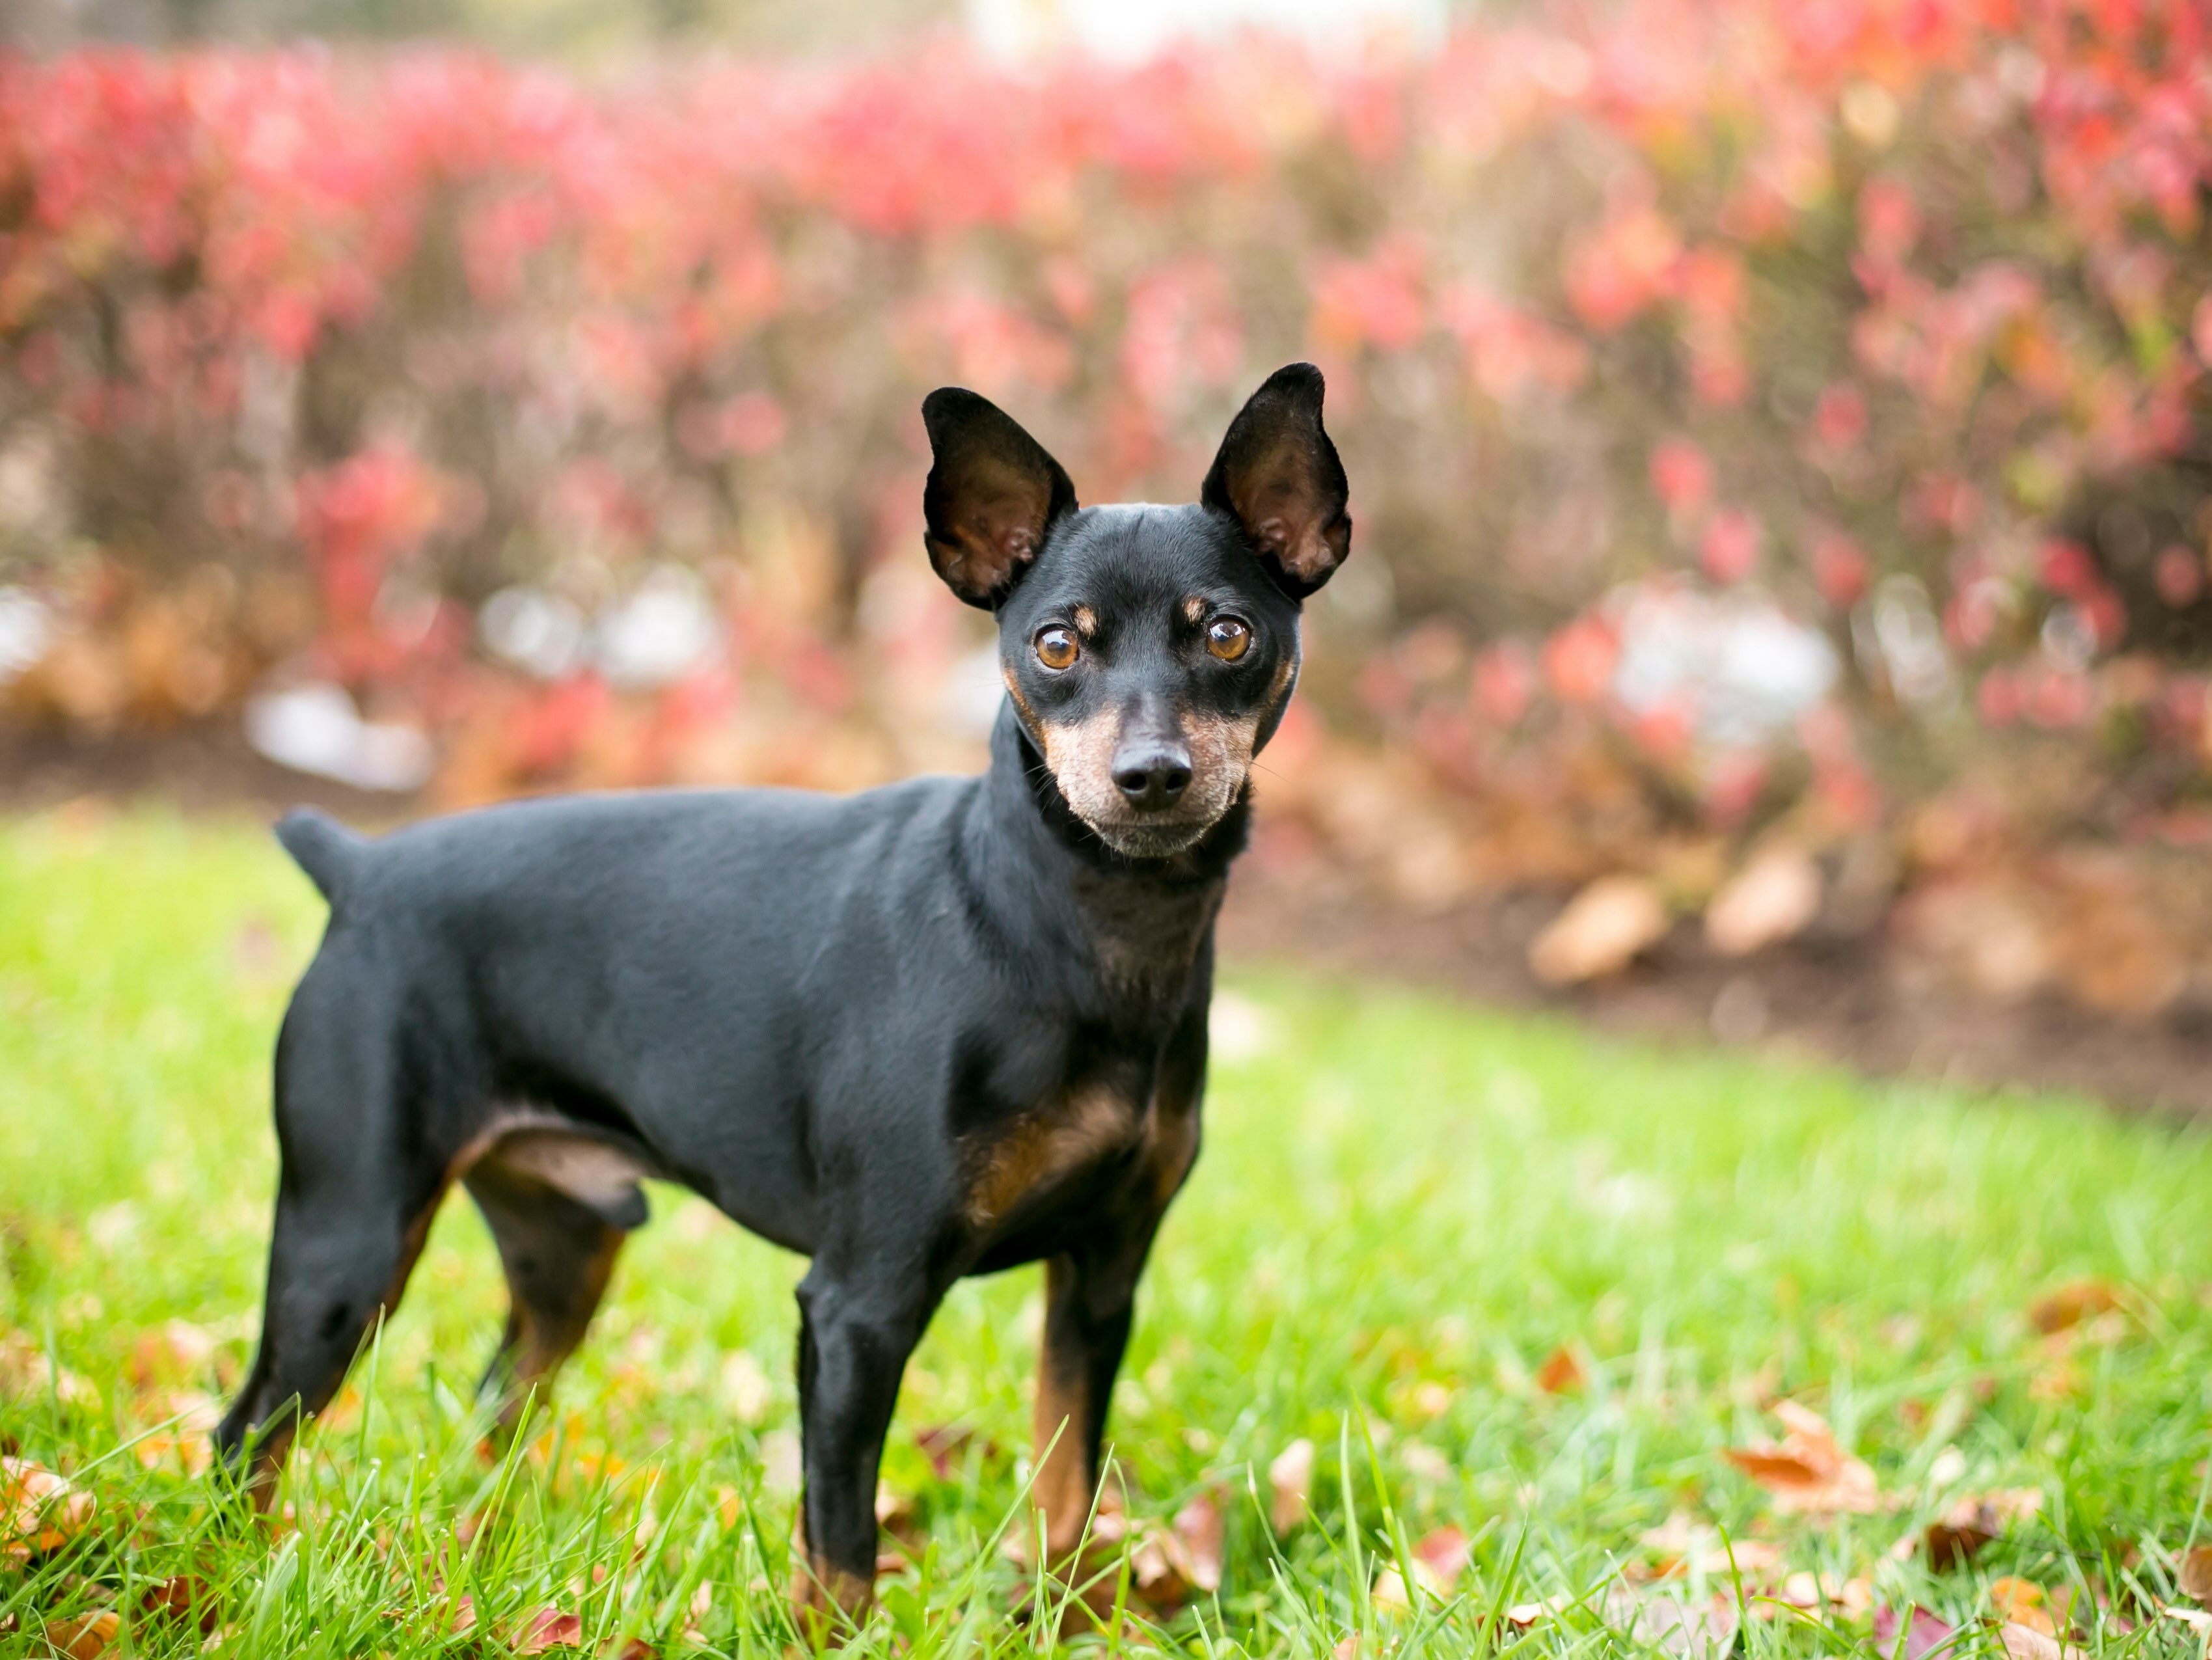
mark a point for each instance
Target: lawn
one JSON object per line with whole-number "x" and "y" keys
{"x": 1508, "y": 1279}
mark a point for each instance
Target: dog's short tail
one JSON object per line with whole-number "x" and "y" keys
{"x": 322, "y": 847}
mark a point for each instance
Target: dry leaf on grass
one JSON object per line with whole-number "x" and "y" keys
{"x": 548, "y": 1628}
{"x": 946, "y": 1446}
{"x": 1808, "y": 1474}
{"x": 1813, "y": 1592}
{"x": 1166, "y": 1564}
{"x": 1289, "y": 1480}
{"x": 26, "y": 1371}
{"x": 1439, "y": 1558}
{"x": 2040, "y": 1607}
{"x": 2069, "y": 1305}
{"x": 2196, "y": 1576}
{"x": 1676, "y": 1624}
{"x": 39, "y": 1510}
{"x": 175, "y": 1350}
{"x": 745, "y": 1388}
{"x": 85, "y": 1638}
{"x": 1561, "y": 1373}
{"x": 1522, "y": 1615}
{"x": 1389, "y": 1593}
{"x": 185, "y": 1598}
{"x": 782, "y": 1463}
{"x": 2027, "y": 1643}
{"x": 1602, "y": 931}
{"x": 1952, "y": 1539}
{"x": 1198, "y": 1528}
{"x": 897, "y": 1514}
{"x": 1774, "y": 897}
{"x": 1923, "y": 1634}
{"x": 1433, "y": 1399}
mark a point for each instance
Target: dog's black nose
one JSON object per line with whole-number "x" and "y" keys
{"x": 1153, "y": 777}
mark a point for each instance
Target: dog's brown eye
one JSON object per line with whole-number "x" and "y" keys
{"x": 1056, "y": 647}
{"x": 1227, "y": 638}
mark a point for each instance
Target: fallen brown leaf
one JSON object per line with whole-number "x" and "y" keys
{"x": 2021, "y": 1602}
{"x": 896, "y": 1515}
{"x": 1198, "y": 1526}
{"x": 39, "y": 1510}
{"x": 745, "y": 1388}
{"x": 1808, "y": 1474}
{"x": 25, "y": 1371}
{"x": 173, "y": 1351}
{"x": 549, "y": 1628}
{"x": 1773, "y": 899}
{"x": 1754, "y": 1559}
{"x": 1433, "y": 1399}
{"x": 85, "y": 1638}
{"x": 1602, "y": 930}
{"x": 946, "y": 1445}
{"x": 1954, "y": 1538}
{"x": 629, "y": 1648}
{"x": 1924, "y": 1634}
{"x": 1561, "y": 1373}
{"x": 2197, "y": 1573}
{"x": 1810, "y": 1592}
{"x": 1522, "y": 1615}
{"x": 2028, "y": 1643}
{"x": 185, "y": 1598}
{"x": 1439, "y": 1558}
{"x": 2070, "y": 1305}
{"x": 1389, "y": 1593}
{"x": 1289, "y": 1478}
{"x": 1676, "y": 1624}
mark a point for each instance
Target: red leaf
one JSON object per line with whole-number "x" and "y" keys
{"x": 549, "y": 1628}
{"x": 1924, "y": 1634}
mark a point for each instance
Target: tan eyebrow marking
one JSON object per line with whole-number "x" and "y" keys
{"x": 1194, "y": 610}
{"x": 1086, "y": 621}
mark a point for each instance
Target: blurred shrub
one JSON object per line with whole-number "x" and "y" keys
{"x": 1753, "y": 410}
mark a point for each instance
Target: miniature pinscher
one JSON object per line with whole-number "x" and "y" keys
{"x": 936, "y": 1029}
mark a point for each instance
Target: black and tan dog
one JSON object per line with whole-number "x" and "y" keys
{"x": 933, "y": 1029}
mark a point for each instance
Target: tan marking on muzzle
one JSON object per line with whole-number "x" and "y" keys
{"x": 1081, "y": 755}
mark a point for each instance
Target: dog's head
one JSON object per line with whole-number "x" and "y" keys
{"x": 1149, "y": 650}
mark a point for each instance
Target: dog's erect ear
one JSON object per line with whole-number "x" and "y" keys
{"x": 993, "y": 493}
{"x": 1277, "y": 474}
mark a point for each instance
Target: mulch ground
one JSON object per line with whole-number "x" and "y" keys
{"x": 1851, "y": 1000}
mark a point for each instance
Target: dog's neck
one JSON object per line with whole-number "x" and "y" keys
{"x": 1142, "y": 924}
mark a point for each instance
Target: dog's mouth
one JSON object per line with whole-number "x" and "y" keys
{"x": 1151, "y": 838}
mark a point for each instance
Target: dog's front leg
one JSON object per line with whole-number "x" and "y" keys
{"x": 855, "y": 1332}
{"x": 1090, "y": 1300}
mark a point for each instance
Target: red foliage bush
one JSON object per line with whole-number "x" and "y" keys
{"x": 1893, "y": 311}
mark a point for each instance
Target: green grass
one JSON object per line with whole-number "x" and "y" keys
{"x": 1404, "y": 1207}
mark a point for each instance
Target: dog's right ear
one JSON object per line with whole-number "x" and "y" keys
{"x": 993, "y": 493}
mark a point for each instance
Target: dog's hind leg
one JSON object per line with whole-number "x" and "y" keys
{"x": 559, "y": 1254}
{"x": 355, "y": 1200}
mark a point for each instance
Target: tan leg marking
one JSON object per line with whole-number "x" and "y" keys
{"x": 1065, "y": 1483}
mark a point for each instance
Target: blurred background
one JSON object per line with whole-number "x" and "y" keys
{"x": 1779, "y": 604}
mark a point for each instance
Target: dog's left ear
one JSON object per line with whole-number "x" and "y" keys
{"x": 993, "y": 493}
{"x": 1277, "y": 474}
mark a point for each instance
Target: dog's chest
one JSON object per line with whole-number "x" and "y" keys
{"x": 1093, "y": 1140}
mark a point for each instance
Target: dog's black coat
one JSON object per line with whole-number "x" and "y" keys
{"x": 932, "y": 1030}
